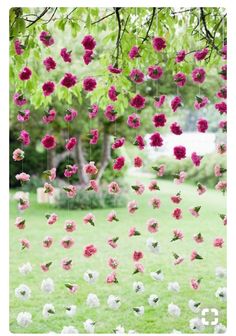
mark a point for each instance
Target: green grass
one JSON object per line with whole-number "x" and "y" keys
{"x": 155, "y": 320}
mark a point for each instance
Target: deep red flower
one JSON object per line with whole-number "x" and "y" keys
{"x": 156, "y": 140}
{"x": 159, "y": 120}
{"x": 48, "y": 141}
{"x": 179, "y": 152}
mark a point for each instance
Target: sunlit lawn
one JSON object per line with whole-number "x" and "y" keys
{"x": 155, "y": 320}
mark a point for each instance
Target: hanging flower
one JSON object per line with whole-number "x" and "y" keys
{"x": 153, "y": 186}
{"x": 176, "y": 128}
{"x": 200, "y": 102}
{"x": 134, "y": 52}
{"x": 198, "y": 238}
{"x": 138, "y": 162}
{"x": 133, "y": 232}
{"x": 119, "y": 163}
{"x": 67, "y": 242}
{"x": 70, "y": 115}
{"x": 23, "y": 116}
{"x": 47, "y": 242}
{"x": 222, "y": 93}
{"x": 24, "y": 244}
{"x": 88, "y": 56}
{"x": 113, "y": 242}
{"x": 25, "y": 74}
{"x": 66, "y": 55}
{"x": 139, "y": 141}
{"x": 113, "y": 188}
{"x": 133, "y": 121}
{"x": 218, "y": 242}
{"x": 111, "y": 278}
{"x": 223, "y": 72}
{"x": 93, "y": 111}
{"x": 48, "y": 88}
{"x": 159, "y": 100}
{"x": 89, "y": 251}
{"x": 118, "y": 142}
{"x": 90, "y": 168}
{"x": 201, "y": 189}
{"x": 202, "y": 125}
{"x": 70, "y": 225}
{"x": 114, "y": 69}
{"x": 195, "y": 256}
{"x": 180, "y": 79}
{"x": 92, "y": 186}
{"x": 196, "y": 159}
{"x": 198, "y": 75}
{"x": 52, "y": 218}
{"x": 19, "y": 48}
{"x": 221, "y": 107}
{"x": 112, "y": 93}
{"x": 48, "y": 142}
{"x": 158, "y": 43}
{"x": 112, "y": 217}
{"x": 155, "y": 72}
{"x": 66, "y": 264}
{"x": 22, "y": 177}
{"x": 195, "y": 283}
{"x": 195, "y": 211}
{"x": 221, "y": 186}
{"x": 49, "y": 116}
{"x": 175, "y": 103}
{"x": 71, "y": 191}
{"x": 88, "y": 42}
{"x": 110, "y": 113}
{"x": 46, "y": 38}
{"x": 19, "y": 99}
{"x": 179, "y": 178}
{"x": 45, "y": 267}
{"x": 177, "y": 213}
{"x": 180, "y": 56}
{"x": 159, "y": 170}
{"x": 138, "y": 102}
{"x": 156, "y": 140}
{"x": 201, "y": 54}
{"x": 137, "y": 255}
{"x": 155, "y": 203}
{"x": 159, "y": 120}
{"x": 49, "y": 63}
{"x": 20, "y": 223}
{"x": 223, "y": 125}
{"x": 89, "y": 219}
{"x": 136, "y": 76}
{"x": 132, "y": 206}
{"x": 224, "y": 218}
{"x": 221, "y": 148}
{"x": 139, "y": 268}
{"x": 48, "y": 189}
{"x": 138, "y": 188}
{"x": 177, "y": 235}
{"x": 69, "y": 80}
{"x": 179, "y": 152}
{"x": 89, "y": 84}
{"x": 72, "y": 287}
{"x": 152, "y": 225}
{"x": 176, "y": 198}
{"x": 23, "y": 204}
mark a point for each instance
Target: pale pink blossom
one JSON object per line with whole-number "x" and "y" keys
{"x": 138, "y": 188}
{"x": 139, "y": 268}
{"x": 201, "y": 189}
{"x": 153, "y": 186}
{"x": 112, "y": 216}
{"x": 221, "y": 148}
{"x": 221, "y": 186}
{"x": 89, "y": 251}
{"x": 66, "y": 264}
{"x": 48, "y": 189}
{"x": 72, "y": 287}
{"x": 90, "y": 168}
{"x": 71, "y": 191}
{"x": 180, "y": 177}
{"x": 111, "y": 278}
{"x": 113, "y": 188}
{"x": 152, "y": 225}
{"x": 18, "y": 154}
{"x": 132, "y": 206}
{"x": 195, "y": 283}
{"x": 47, "y": 242}
{"x": 155, "y": 202}
{"x": 195, "y": 256}
{"x": 113, "y": 263}
{"x": 20, "y": 223}
{"x": 177, "y": 235}
{"x": 24, "y": 244}
{"x": 23, "y": 177}
{"x": 177, "y": 213}
{"x": 93, "y": 185}
{"x": 195, "y": 211}
{"x": 198, "y": 238}
{"x": 70, "y": 225}
{"x": 45, "y": 267}
{"x": 113, "y": 242}
{"x": 176, "y": 198}
{"x": 52, "y": 218}
{"x": 133, "y": 232}
{"x": 89, "y": 219}
{"x": 67, "y": 242}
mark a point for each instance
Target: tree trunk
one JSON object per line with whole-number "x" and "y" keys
{"x": 106, "y": 156}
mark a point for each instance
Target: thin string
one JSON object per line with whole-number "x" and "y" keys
{"x": 157, "y": 81}
{"x": 199, "y": 42}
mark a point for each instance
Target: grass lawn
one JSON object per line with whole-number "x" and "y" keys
{"x": 155, "y": 319}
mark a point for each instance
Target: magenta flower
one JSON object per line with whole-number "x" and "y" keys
{"x": 119, "y": 142}
{"x": 90, "y": 168}
{"x": 89, "y": 251}
{"x": 138, "y": 162}
{"x": 19, "y": 99}
{"x": 202, "y": 125}
{"x": 112, "y": 93}
{"x": 201, "y": 54}
{"x": 89, "y": 84}
{"x": 88, "y": 56}
{"x": 66, "y": 55}
{"x": 179, "y": 152}
{"x": 136, "y": 76}
{"x": 196, "y": 159}
{"x": 134, "y": 52}
{"x": 88, "y": 42}
{"x": 139, "y": 141}
{"x": 48, "y": 141}
{"x": 138, "y": 102}
{"x": 177, "y": 214}
{"x": 49, "y": 116}
{"x": 24, "y": 137}
{"x": 137, "y": 255}
{"x": 224, "y": 52}
{"x": 223, "y": 72}
{"x": 176, "y": 128}
{"x": 200, "y": 102}
{"x": 70, "y": 115}
{"x": 25, "y": 74}
{"x": 48, "y": 88}
{"x": 119, "y": 163}
{"x": 71, "y": 143}
{"x": 180, "y": 79}
{"x": 159, "y": 120}
{"x": 114, "y": 69}
{"x": 175, "y": 103}
{"x": 221, "y": 107}
{"x": 19, "y": 48}
{"x": 198, "y": 75}
{"x": 93, "y": 111}
{"x": 70, "y": 170}
{"x": 49, "y": 63}
{"x": 156, "y": 140}
{"x": 110, "y": 113}
{"x": 159, "y": 101}
{"x": 155, "y": 72}
{"x": 180, "y": 56}
{"x": 46, "y": 38}
{"x": 134, "y": 121}
{"x": 94, "y": 135}
{"x": 68, "y": 80}
{"x": 23, "y": 116}
{"x": 158, "y": 43}
{"x": 222, "y": 93}
{"x": 113, "y": 263}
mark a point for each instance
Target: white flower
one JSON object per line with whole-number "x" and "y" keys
{"x": 24, "y": 319}
{"x": 153, "y": 245}
{"x": 219, "y": 329}
{"x": 174, "y": 331}
{"x": 119, "y": 330}
{"x": 196, "y": 324}
{"x": 25, "y": 268}
{"x": 113, "y": 302}
{"x": 221, "y": 293}
{"x": 69, "y": 330}
{"x": 174, "y": 286}
{"x": 47, "y": 286}
{"x": 48, "y": 310}
{"x": 220, "y": 272}
{"x": 153, "y": 300}
{"x": 138, "y": 311}
{"x": 174, "y": 310}
{"x": 23, "y": 292}
{"x": 159, "y": 276}
{"x": 92, "y": 301}
{"x": 138, "y": 287}
{"x": 194, "y": 306}
{"x": 91, "y": 276}
{"x": 71, "y": 310}
{"x": 89, "y": 326}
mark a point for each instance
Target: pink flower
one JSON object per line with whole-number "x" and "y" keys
{"x": 90, "y": 168}
{"x": 175, "y": 103}
{"x": 196, "y": 159}
{"x": 18, "y": 154}
{"x": 198, "y": 238}
{"x": 93, "y": 111}
{"x": 224, "y": 52}
{"x": 49, "y": 116}
{"x": 136, "y": 76}
{"x": 70, "y": 115}
{"x": 87, "y": 56}
{"x": 70, "y": 225}
{"x": 200, "y": 54}
{"x": 152, "y": 225}
{"x": 221, "y": 107}
{"x": 198, "y": 75}
{"x": 179, "y": 152}
{"x": 89, "y": 219}
{"x": 23, "y": 204}
{"x": 176, "y": 198}
{"x": 112, "y": 217}
{"x": 66, "y": 55}
{"x": 93, "y": 186}
{"x": 139, "y": 268}
{"x": 119, "y": 142}
{"x": 72, "y": 287}
{"x": 113, "y": 188}
{"x": 70, "y": 170}
{"x": 138, "y": 102}
{"x": 155, "y": 202}
{"x": 66, "y": 264}
{"x": 88, "y": 42}
{"x": 200, "y": 102}
{"x": 222, "y": 93}
{"x": 45, "y": 267}
{"x": 224, "y": 218}
{"x": 46, "y": 38}
{"x": 112, "y": 242}
{"x": 159, "y": 101}
{"x": 178, "y": 260}
{"x": 110, "y": 113}
{"x": 159, "y": 120}
{"x": 89, "y": 84}
{"x": 25, "y": 244}
{"x": 23, "y": 177}
{"x": 180, "y": 177}
{"x": 195, "y": 283}
{"x": 176, "y": 128}
{"x": 221, "y": 148}
{"x": 180, "y": 56}
{"x": 223, "y": 125}
{"x": 155, "y": 72}
{"x": 23, "y": 116}
{"x": 68, "y": 80}
{"x": 139, "y": 141}
{"x": 113, "y": 263}
{"x": 52, "y": 218}
{"x": 111, "y": 278}
{"x": 25, "y": 74}
{"x": 223, "y": 72}
{"x": 49, "y": 63}
{"x": 195, "y": 211}
{"x": 71, "y": 191}
{"x": 138, "y": 162}
{"x": 20, "y": 223}
{"x": 67, "y": 242}
{"x": 180, "y": 79}
{"x": 48, "y": 88}
{"x": 177, "y": 235}
{"x": 153, "y": 186}
{"x": 19, "y": 99}
{"x": 202, "y": 125}
{"x": 158, "y": 43}
{"x": 219, "y": 171}
{"x": 134, "y": 52}
{"x": 24, "y": 137}
{"x": 137, "y": 255}
{"x": 19, "y": 48}
{"x": 71, "y": 143}
{"x": 48, "y": 189}
{"x": 221, "y": 186}
{"x": 160, "y": 170}
{"x": 114, "y": 69}
{"x": 132, "y": 206}
{"x": 89, "y": 250}
{"x": 48, "y": 141}
{"x": 138, "y": 188}
{"x": 201, "y": 189}
{"x": 195, "y": 255}
{"x": 112, "y": 93}
{"x": 47, "y": 242}
{"x": 177, "y": 214}
{"x": 119, "y": 163}
{"x": 156, "y": 140}
{"x": 133, "y": 121}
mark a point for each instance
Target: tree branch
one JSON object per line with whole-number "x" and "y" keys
{"x": 39, "y": 17}
{"x": 149, "y": 26}
{"x": 118, "y": 37}
{"x": 105, "y": 17}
